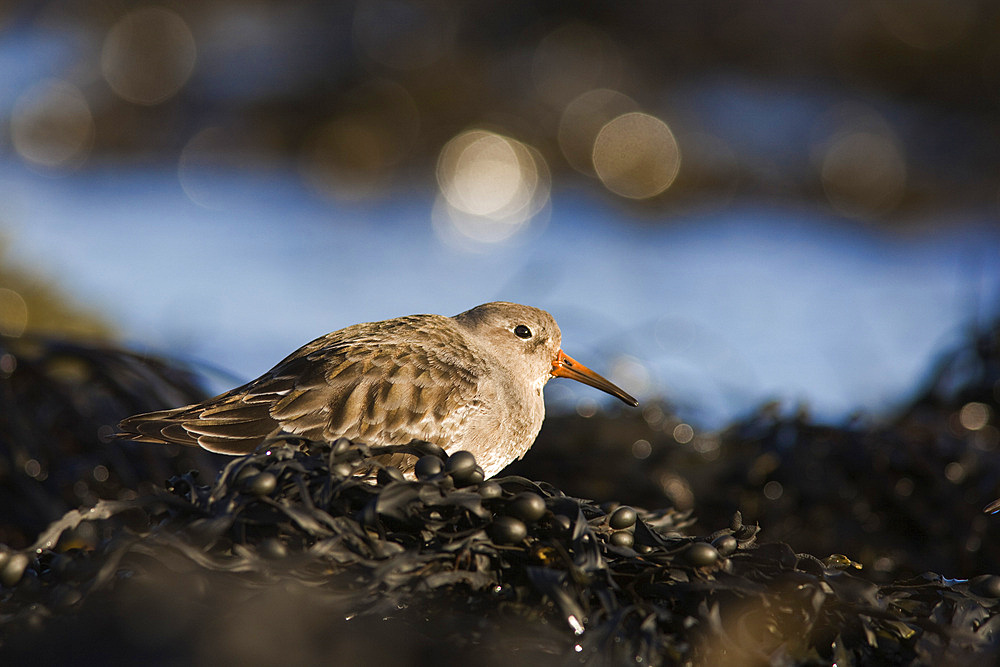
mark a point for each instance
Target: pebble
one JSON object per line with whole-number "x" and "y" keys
{"x": 469, "y": 477}
{"x": 725, "y": 544}
{"x": 490, "y": 489}
{"x": 701, "y": 554}
{"x": 272, "y": 548}
{"x": 508, "y": 530}
{"x": 428, "y": 467}
{"x": 341, "y": 446}
{"x": 13, "y": 568}
{"x": 526, "y": 506}
{"x": 623, "y": 517}
{"x": 986, "y": 585}
{"x": 262, "y": 484}
{"x": 561, "y": 524}
{"x": 622, "y": 538}
{"x": 460, "y": 462}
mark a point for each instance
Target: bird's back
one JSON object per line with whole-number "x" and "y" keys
{"x": 388, "y": 382}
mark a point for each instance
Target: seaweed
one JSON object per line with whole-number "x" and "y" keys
{"x": 318, "y": 522}
{"x": 306, "y": 550}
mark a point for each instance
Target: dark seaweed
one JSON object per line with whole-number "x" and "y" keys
{"x": 311, "y": 552}
{"x": 415, "y": 552}
{"x": 60, "y": 403}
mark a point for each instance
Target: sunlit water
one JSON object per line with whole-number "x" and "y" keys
{"x": 716, "y": 313}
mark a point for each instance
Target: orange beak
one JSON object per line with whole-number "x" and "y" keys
{"x": 565, "y": 366}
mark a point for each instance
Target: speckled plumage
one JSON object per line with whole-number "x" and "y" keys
{"x": 464, "y": 382}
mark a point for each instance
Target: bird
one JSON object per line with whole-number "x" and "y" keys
{"x": 469, "y": 382}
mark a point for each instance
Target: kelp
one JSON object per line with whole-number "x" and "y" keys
{"x": 324, "y": 521}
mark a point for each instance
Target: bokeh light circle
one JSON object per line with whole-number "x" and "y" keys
{"x": 13, "y": 313}
{"x": 148, "y": 55}
{"x": 581, "y": 121}
{"x": 211, "y": 158}
{"x": 491, "y": 186}
{"x": 52, "y": 126}
{"x": 636, "y": 156}
{"x": 863, "y": 173}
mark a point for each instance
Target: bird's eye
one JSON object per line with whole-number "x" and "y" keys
{"x": 522, "y": 331}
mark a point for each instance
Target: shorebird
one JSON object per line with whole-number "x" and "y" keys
{"x": 469, "y": 382}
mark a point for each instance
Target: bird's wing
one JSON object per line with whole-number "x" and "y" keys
{"x": 228, "y": 423}
{"x": 383, "y": 390}
{"x": 375, "y": 385}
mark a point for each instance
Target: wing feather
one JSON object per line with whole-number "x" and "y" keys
{"x": 384, "y": 383}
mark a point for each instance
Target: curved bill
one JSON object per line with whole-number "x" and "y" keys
{"x": 565, "y": 366}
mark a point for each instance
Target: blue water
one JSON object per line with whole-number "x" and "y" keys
{"x": 716, "y": 313}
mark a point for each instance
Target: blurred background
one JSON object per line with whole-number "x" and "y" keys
{"x": 721, "y": 203}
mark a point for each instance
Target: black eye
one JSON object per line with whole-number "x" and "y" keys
{"x": 522, "y": 331}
